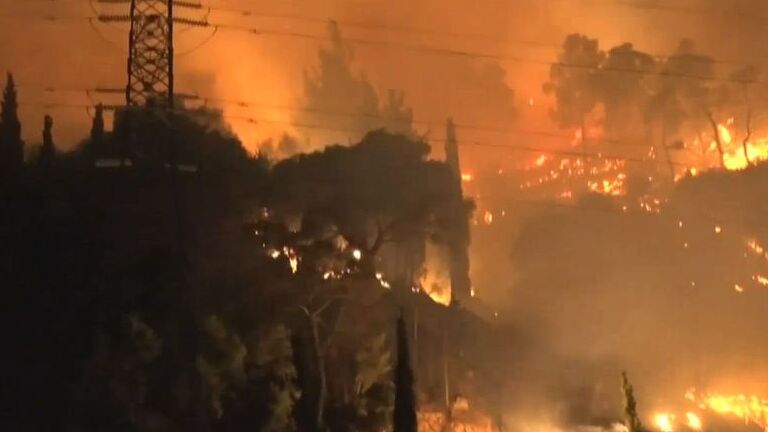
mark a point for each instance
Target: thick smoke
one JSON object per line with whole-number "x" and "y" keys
{"x": 588, "y": 292}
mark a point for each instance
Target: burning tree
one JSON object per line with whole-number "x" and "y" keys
{"x": 574, "y": 81}
{"x": 381, "y": 191}
{"x": 623, "y": 87}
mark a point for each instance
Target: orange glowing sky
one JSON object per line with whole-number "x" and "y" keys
{"x": 68, "y": 53}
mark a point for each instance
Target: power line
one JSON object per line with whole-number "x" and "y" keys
{"x": 247, "y": 13}
{"x": 587, "y": 155}
{"x": 433, "y": 50}
{"x": 256, "y": 120}
{"x": 657, "y": 6}
{"x": 475, "y": 54}
{"x": 527, "y": 149}
{"x": 252, "y": 105}
{"x": 494, "y": 129}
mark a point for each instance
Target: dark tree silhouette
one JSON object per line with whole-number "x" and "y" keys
{"x": 405, "y": 419}
{"x": 11, "y": 146}
{"x": 307, "y": 413}
{"x": 96, "y": 144}
{"x": 458, "y": 238}
{"x": 382, "y": 190}
{"x": 574, "y": 80}
{"x": 623, "y": 95}
{"x": 334, "y": 87}
{"x": 631, "y": 419}
{"x": 452, "y": 149}
{"x": 48, "y": 149}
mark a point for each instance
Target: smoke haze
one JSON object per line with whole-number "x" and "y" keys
{"x": 591, "y": 287}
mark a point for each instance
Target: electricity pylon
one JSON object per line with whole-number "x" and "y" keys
{"x": 150, "y": 54}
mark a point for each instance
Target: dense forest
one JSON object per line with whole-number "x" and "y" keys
{"x": 159, "y": 277}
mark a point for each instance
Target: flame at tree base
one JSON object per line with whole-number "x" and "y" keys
{"x": 462, "y": 419}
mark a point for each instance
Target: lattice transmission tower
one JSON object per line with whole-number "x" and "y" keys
{"x": 150, "y": 54}
{"x": 150, "y": 47}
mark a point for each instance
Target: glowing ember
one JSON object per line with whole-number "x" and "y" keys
{"x": 757, "y": 249}
{"x": 488, "y": 217}
{"x": 693, "y": 421}
{"x": 664, "y": 422}
{"x": 382, "y": 282}
{"x": 738, "y": 288}
{"x": 612, "y": 187}
{"x": 357, "y": 254}
{"x": 467, "y": 177}
{"x": 293, "y": 259}
{"x": 435, "y": 280}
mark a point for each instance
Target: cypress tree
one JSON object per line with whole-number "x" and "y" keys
{"x": 48, "y": 150}
{"x": 96, "y": 144}
{"x": 405, "y": 419}
{"x": 452, "y": 149}
{"x": 11, "y": 147}
{"x": 458, "y": 243}
{"x": 631, "y": 419}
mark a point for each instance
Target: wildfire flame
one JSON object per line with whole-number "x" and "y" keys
{"x": 435, "y": 279}
{"x": 693, "y": 421}
{"x": 664, "y": 422}
{"x": 749, "y": 408}
{"x": 737, "y": 155}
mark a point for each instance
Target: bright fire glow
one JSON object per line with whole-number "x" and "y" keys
{"x": 467, "y": 177}
{"x": 733, "y": 150}
{"x": 757, "y": 248}
{"x": 664, "y": 422}
{"x": 488, "y": 217}
{"x": 357, "y": 254}
{"x": 748, "y": 408}
{"x": 435, "y": 280}
{"x": 293, "y": 259}
{"x": 693, "y": 421}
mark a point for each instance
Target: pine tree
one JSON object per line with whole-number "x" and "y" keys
{"x": 405, "y": 419}
{"x": 11, "y": 147}
{"x": 48, "y": 150}
{"x": 631, "y": 419}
